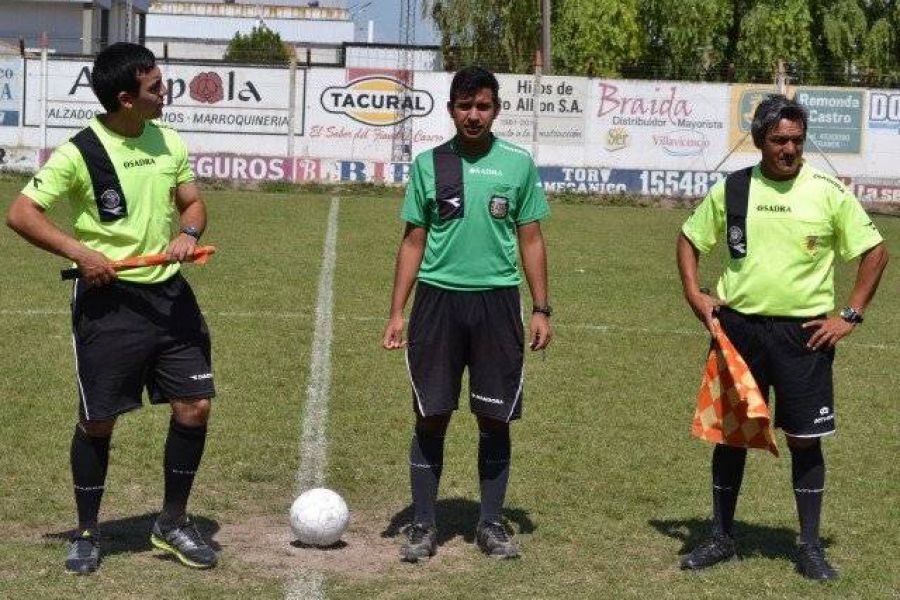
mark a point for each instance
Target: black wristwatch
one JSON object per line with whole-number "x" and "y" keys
{"x": 851, "y": 315}
{"x": 545, "y": 310}
{"x": 191, "y": 231}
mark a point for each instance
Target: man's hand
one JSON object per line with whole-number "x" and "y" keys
{"x": 828, "y": 332}
{"x": 541, "y": 331}
{"x": 181, "y": 248}
{"x": 704, "y": 307}
{"x": 95, "y": 268}
{"x": 393, "y": 334}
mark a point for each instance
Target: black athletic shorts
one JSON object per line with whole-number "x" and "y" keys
{"x": 449, "y": 331}
{"x": 775, "y": 350}
{"x": 128, "y": 336}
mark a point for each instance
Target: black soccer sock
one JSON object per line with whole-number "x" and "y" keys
{"x": 426, "y": 460}
{"x": 808, "y": 474}
{"x": 727, "y": 474}
{"x": 494, "y": 449}
{"x": 89, "y": 457}
{"x": 184, "y": 449}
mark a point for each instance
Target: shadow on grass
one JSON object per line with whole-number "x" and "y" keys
{"x": 753, "y": 540}
{"x": 458, "y": 517}
{"x": 132, "y": 534}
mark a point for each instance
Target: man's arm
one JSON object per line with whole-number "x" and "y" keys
{"x": 688, "y": 258}
{"x": 409, "y": 258}
{"x": 868, "y": 275}
{"x": 192, "y": 213}
{"x": 28, "y": 220}
{"x": 534, "y": 262}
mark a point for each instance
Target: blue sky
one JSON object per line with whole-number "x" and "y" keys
{"x": 386, "y": 15}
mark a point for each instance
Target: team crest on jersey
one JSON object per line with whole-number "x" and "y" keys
{"x": 736, "y": 241}
{"x": 499, "y": 207}
{"x": 812, "y": 243}
{"x": 111, "y": 203}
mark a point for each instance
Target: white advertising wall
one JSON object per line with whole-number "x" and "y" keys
{"x": 587, "y": 135}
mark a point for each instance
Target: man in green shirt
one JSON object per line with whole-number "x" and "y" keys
{"x": 130, "y": 188}
{"x": 784, "y": 222}
{"x": 472, "y": 205}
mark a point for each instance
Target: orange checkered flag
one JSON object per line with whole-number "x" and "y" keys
{"x": 730, "y": 407}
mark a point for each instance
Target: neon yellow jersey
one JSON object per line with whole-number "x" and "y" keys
{"x": 477, "y": 248}
{"x": 149, "y": 168}
{"x": 794, "y": 230}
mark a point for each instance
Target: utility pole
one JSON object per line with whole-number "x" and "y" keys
{"x": 401, "y": 144}
{"x": 545, "y": 37}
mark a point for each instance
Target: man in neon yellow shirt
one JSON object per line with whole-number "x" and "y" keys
{"x": 130, "y": 187}
{"x": 472, "y": 205}
{"x": 783, "y": 222}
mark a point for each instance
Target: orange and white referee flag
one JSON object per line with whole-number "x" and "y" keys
{"x": 730, "y": 408}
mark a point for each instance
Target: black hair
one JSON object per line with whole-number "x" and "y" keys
{"x": 116, "y": 69}
{"x": 469, "y": 80}
{"x": 771, "y": 111}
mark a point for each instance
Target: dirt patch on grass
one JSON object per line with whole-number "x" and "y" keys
{"x": 363, "y": 553}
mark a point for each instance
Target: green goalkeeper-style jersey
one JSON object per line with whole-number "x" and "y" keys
{"x": 795, "y": 229}
{"x": 149, "y": 168}
{"x": 472, "y": 209}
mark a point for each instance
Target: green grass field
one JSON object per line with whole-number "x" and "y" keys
{"x": 607, "y": 486}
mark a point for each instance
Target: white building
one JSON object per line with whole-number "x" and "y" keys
{"x": 71, "y": 26}
{"x": 201, "y": 29}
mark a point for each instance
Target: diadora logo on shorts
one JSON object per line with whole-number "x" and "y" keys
{"x": 486, "y": 399}
{"x": 454, "y": 202}
{"x": 201, "y": 376}
{"x": 826, "y": 415}
{"x": 485, "y": 171}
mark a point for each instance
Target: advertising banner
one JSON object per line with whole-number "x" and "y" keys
{"x": 199, "y": 98}
{"x": 673, "y": 125}
{"x": 296, "y": 170}
{"x": 835, "y": 117}
{"x": 744, "y": 100}
{"x": 18, "y": 159}
{"x": 356, "y": 113}
{"x": 882, "y": 138}
{"x": 560, "y": 104}
{"x": 641, "y": 182}
{"x": 10, "y": 90}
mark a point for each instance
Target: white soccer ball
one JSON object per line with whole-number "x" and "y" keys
{"x": 319, "y": 517}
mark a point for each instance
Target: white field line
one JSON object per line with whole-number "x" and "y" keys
{"x": 597, "y": 327}
{"x": 307, "y": 584}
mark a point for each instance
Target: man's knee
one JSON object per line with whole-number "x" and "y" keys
{"x": 801, "y": 443}
{"x": 192, "y": 413}
{"x": 433, "y": 425}
{"x": 489, "y": 424}
{"x": 98, "y": 429}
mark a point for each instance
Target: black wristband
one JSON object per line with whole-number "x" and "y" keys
{"x": 545, "y": 310}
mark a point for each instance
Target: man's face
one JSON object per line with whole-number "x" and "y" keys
{"x": 474, "y": 115}
{"x": 149, "y": 100}
{"x": 782, "y": 149}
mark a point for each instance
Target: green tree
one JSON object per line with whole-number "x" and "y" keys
{"x": 502, "y": 35}
{"x": 773, "y": 31}
{"x": 262, "y": 46}
{"x": 880, "y": 61}
{"x": 686, "y": 39}
{"x": 844, "y": 27}
{"x": 596, "y": 37}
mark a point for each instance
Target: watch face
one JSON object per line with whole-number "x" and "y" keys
{"x": 850, "y": 315}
